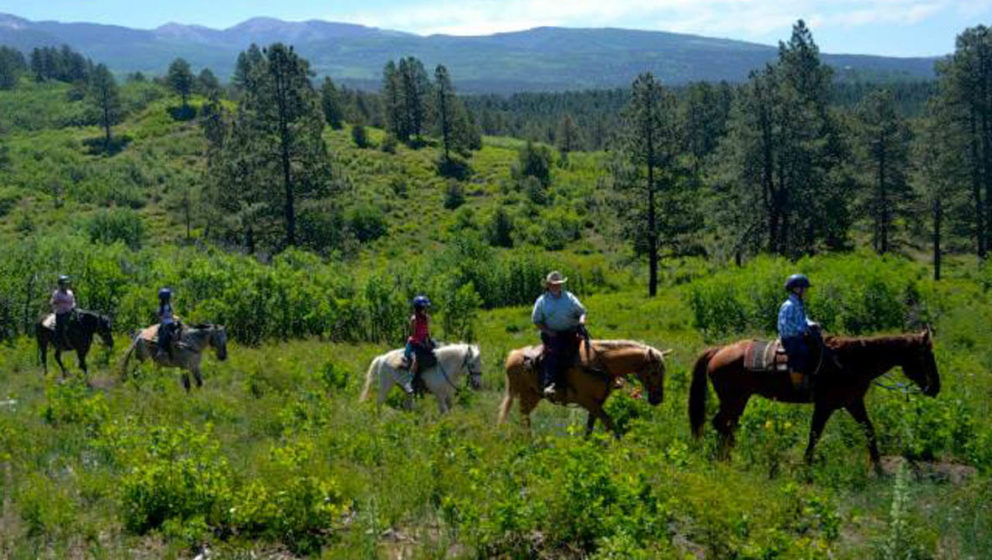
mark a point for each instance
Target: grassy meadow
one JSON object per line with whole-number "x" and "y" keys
{"x": 274, "y": 456}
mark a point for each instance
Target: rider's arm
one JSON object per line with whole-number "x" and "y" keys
{"x": 537, "y": 317}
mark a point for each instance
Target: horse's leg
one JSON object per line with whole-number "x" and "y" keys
{"x": 58, "y": 360}
{"x": 821, "y": 414}
{"x": 82, "y": 362}
{"x": 528, "y": 402}
{"x": 590, "y": 424}
{"x": 43, "y": 350}
{"x": 197, "y": 375}
{"x": 185, "y": 378}
{"x": 860, "y": 415}
{"x": 725, "y": 422}
{"x": 385, "y": 384}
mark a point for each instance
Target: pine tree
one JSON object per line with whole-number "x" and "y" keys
{"x": 207, "y": 82}
{"x": 446, "y": 109}
{"x": 940, "y": 174}
{"x": 567, "y": 136}
{"x": 180, "y": 79}
{"x": 651, "y": 147}
{"x": 104, "y": 95}
{"x": 415, "y": 90}
{"x": 331, "y": 103}
{"x": 393, "y": 102}
{"x": 966, "y": 91}
{"x": 12, "y": 65}
{"x": 883, "y": 139}
{"x": 286, "y": 112}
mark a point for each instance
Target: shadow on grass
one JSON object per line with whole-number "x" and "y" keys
{"x": 98, "y": 145}
{"x": 181, "y": 113}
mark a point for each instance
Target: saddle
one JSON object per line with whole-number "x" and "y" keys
{"x": 534, "y": 359}
{"x": 762, "y": 356}
{"x": 48, "y": 321}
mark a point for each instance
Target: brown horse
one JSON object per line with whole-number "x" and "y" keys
{"x": 862, "y": 359}
{"x": 614, "y": 359}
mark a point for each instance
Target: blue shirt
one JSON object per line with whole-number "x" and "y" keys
{"x": 792, "y": 319}
{"x": 560, "y": 313}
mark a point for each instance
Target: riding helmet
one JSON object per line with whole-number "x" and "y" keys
{"x": 164, "y": 293}
{"x": 796, "y": 281}
{"x": 421, "y": 302}
{"x": 64, "y": 279}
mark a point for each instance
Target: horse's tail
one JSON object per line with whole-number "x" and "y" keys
{"x": 504, "y": 407}
{"x": 42, "y": 345}
{"x": 374, "y": 368}
{"x": 127, "y": 356}
{"x": 697, "y": 392}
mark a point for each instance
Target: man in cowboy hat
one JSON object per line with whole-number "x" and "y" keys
{"x": 558, "y": 314}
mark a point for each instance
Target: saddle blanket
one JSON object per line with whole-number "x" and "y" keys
{"x": 761, "y": 355}
{"x": 49, "y": 321}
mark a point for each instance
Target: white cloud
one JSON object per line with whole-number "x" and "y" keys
{"x": 740, "y": 18}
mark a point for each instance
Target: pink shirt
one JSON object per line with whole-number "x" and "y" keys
{"x": 63, "y": 302}
{"x": 421, "y": 329}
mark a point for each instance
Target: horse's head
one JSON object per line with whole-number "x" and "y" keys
{"x": 218, "y": 339}
{"x": 652, "y": 376}
{"x": 473, "y": 362}
{"x": 920, "y": 366}
{"x": 102, "y": 325}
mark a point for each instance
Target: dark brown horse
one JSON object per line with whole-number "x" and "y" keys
{"x": 861, "y": 360}
{"x": 78, "y": 336}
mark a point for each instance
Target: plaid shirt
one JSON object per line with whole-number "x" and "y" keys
{"x": 792, "y": 319}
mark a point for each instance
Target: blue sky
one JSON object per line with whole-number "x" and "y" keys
{"x": 889, "y": 27}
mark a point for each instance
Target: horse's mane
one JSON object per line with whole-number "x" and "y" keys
{"x": 878, "y": 342}
{"x": 615, "y": 344}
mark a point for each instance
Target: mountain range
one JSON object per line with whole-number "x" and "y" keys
{"x": 539, "y": 59}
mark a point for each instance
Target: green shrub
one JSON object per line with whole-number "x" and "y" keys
{"x": 9, "y": 197}
{"x": 366, "y": 222}
{"x": 359, "y": 136}
{"x": 116, "y": 225}
{"x": 453, "y": 166}
{"x": 454, "y": 195}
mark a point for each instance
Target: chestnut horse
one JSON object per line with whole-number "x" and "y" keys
{"x": 616, "y": 359}
{"x": 861, "y": 360}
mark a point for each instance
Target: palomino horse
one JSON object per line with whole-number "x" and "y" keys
{"x": 614, "y": 358}
{"x": 862, "y": 359}
{"x": 453, "y": 362}
{"x": 186, "y": 355}
{"x": 78, "y": 336}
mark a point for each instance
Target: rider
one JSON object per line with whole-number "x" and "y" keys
{"x": 63, "y": 303}
{"x": 166, "y": 323}
{"x": 559, "y": 315}
{"x": 795, "y": 330}
{"x": 419, "y": 339}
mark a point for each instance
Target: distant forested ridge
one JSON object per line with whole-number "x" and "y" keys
{"x": 541, "y": 59}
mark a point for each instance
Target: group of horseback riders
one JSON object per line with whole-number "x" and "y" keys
{"x": 63, "y": 303}
{"x": 557, "y": 314}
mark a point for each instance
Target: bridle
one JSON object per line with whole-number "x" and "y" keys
{"x": 464, "y": 366}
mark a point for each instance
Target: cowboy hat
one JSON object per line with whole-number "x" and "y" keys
{"x": 555, "y": 277}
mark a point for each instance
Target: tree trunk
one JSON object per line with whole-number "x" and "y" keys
{"x": 976, "y": 187}
{"x": 882, "y": 245}
{"x": 289, "y": 209}
{"x": 938, "y": 215}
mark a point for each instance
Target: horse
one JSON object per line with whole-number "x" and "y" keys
{"x": 453, "y": 362}
{"x": 78, "y": 336}
{"x": 861, "y": 360}
{"x": 188, "y": 351}
{"x": 614, "y": 360}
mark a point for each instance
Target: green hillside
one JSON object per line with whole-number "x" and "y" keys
{"x": 283, "y": 211}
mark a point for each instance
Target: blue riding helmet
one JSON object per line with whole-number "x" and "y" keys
{"x": 164, "y": 293}
{"x": 64, "y": 279}
{"x": 421, "y": 302}
{"x": 796, "y": 281}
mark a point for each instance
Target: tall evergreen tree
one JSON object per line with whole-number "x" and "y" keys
{"x": 650, "y": 140}
{"x": 12, "y": 65}
{"x": 206, "y": 82}
{"x": 282, "y": 124}
{"x": 445, "y": 105}
{"x": 415, "y": 89}
{"x": 180, "y": 79}
{"x": 787, "y": 154}
{"x": 966, "y": 90}
{"x": 567, "y": 137}
{"x": 330, "y": 101}
{"x": 393, "y": 101}
{"x": 940, "y": 173}
{"x": 105, "y": 96}
{"x": 883, "y": 139}
{"x": 245, "y": 68}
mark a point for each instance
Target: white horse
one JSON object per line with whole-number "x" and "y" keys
{"x": 453, "y": 362}
{"x": 187, "y": 353}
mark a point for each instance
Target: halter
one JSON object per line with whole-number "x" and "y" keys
{"x": 464, "y": 365}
